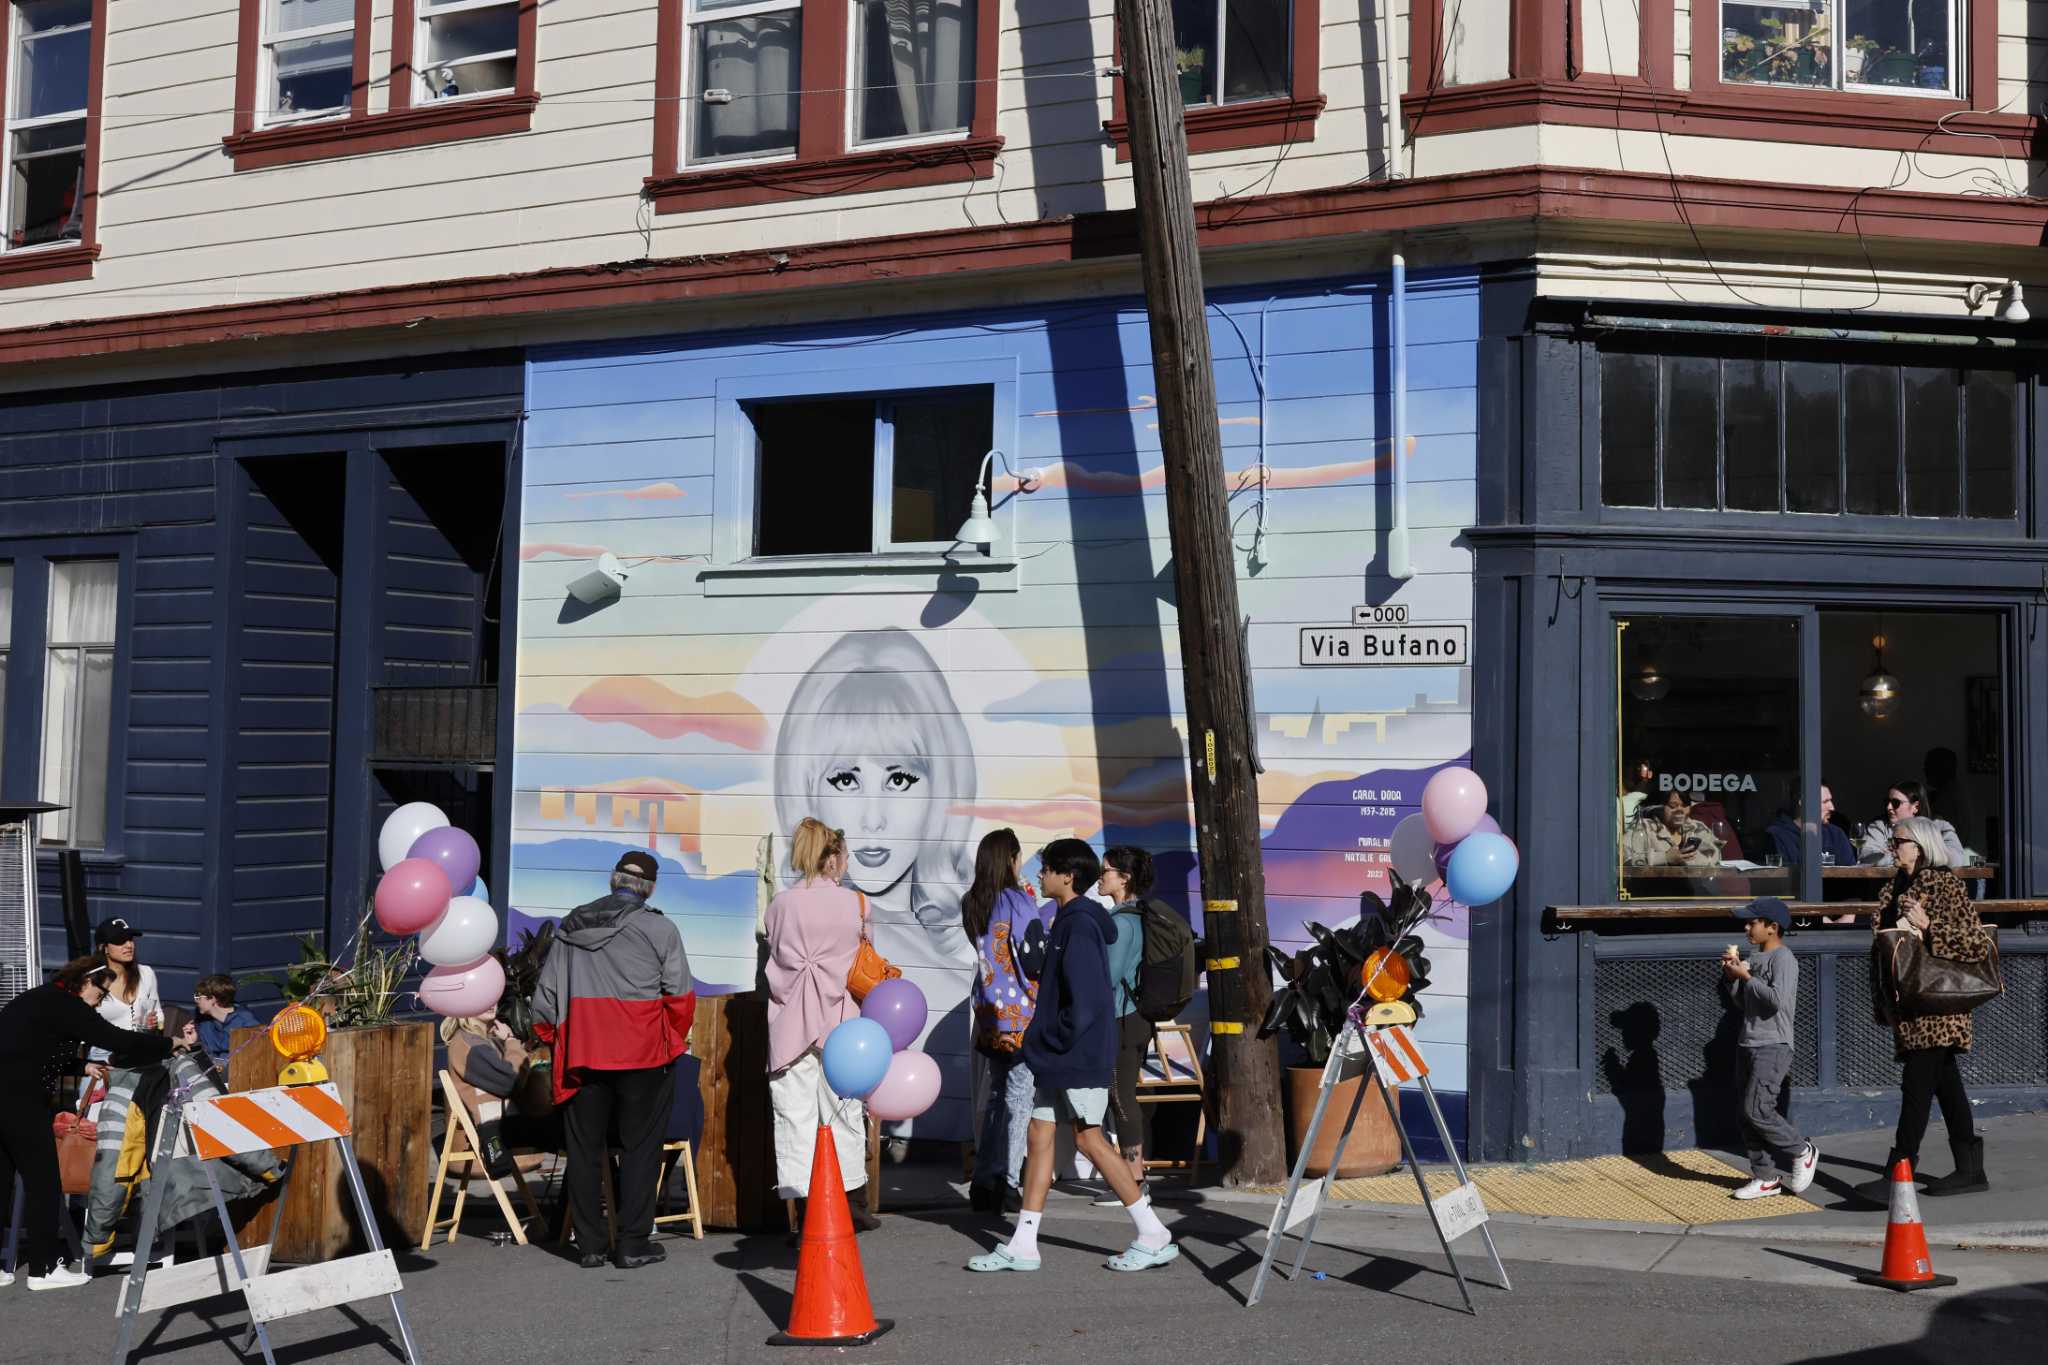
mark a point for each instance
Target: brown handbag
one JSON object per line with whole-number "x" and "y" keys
{"x": 1912, "y": 982}
{"x": 77, "y": 1144}
{"x": 870, "y": 969}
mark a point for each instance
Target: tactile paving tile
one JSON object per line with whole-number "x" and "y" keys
{"x": 1680, "y": 1188}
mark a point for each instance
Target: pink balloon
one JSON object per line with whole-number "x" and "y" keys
{"x": 1453, "y": 804}
{"x": 464, "y": 990}
{"x": 908, "y": 1088}
{"x": 411, "y": 896}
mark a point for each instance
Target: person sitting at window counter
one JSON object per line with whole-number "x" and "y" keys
{"x": 1786, "y": 835}
{"x": 1670, "y": 837}
{"x": 1908, "y": 801}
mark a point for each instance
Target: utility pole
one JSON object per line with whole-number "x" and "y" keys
{"x": 1212, "y": 650}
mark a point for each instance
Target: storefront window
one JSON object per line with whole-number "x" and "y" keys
{"x": 1708, "y": 723}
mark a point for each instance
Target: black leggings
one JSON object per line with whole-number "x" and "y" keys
{"x": 29, "y": 1149}
{"x": 1134, "y": 1035}
{"x": 1930, "y": 1074}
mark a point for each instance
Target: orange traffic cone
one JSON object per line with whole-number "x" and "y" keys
{"x": 1906, "y": 1264}
{"x": 831, "y": 1306}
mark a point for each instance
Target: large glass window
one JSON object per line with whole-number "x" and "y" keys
{"x": 1708, "y": 725}
{"x": 913, "y": 63}
{"x": 309, "y": 49}
{"x": 1230, "y": 51}
{"x": 745, "y": 67}
{"x": 48, "y": 89}
{"x": 1887, "y": 46}
{"x": 468, "y": 47}
{"x": 78, "y": 699}
{"x": 1760, "y": 432}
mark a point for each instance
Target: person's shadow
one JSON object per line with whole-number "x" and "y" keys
{"x": 1637, "y": 1081}
{"x": 1717, "y": 1092}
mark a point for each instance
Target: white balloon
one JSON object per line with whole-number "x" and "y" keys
{"x": 467, "y": 930}
{"x": 1412, "y": 851}
{"x": 402, "y": 827}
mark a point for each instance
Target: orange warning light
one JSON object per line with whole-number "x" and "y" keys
{"x": 298, "y": 1032}
{"x": 1386, "y": 975}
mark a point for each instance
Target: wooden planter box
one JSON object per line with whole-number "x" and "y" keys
{"x": 384, "y": 1076}
{"x": 736, "y": 1157}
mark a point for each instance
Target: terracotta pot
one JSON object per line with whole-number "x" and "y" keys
{"x": 1374, "y": 1147}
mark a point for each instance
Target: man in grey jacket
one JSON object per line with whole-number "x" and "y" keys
{"x": 615, "y": 1001}
{"x": 1766, "y": 990}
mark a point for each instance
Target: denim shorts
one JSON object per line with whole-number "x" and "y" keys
{"x": 1082, "y": 1106}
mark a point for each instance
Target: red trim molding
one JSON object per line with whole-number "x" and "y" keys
{"x": 68, "y": 262}
{"x": 1525, "y": 194}
{"x": 1249, "y": 123}
{"x": 824, "y": 164}
{"x": 402, "y": 125}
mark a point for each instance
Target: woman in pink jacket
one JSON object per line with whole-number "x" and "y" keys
{"x": 813, "y": 934}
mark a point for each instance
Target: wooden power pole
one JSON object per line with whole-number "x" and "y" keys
{"x": 1212, "y": 650}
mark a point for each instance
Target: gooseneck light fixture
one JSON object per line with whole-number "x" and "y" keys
{"x": 980, "y": 526}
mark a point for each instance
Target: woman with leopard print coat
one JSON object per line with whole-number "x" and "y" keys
{"x": 1926, "y": 898}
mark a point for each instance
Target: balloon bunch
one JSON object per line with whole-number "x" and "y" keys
{"x": 426, "y": 860}
{"x": 1381, "y": 954}
{"x": 1454, "y": 840}
{"x": 871, "y": 1058}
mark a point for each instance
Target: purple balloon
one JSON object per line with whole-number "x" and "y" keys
{"x": 899, "y": 1007}
{"x": 454, "y": 852}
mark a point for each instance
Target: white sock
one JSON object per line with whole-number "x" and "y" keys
{"x": 1152, "y": 1233}
{"x": 1024, "y": 1241}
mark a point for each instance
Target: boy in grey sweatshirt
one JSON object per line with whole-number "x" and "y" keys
{"x": 1766, "y": 989}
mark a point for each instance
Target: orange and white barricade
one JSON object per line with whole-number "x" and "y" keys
{"x": 234, "y": 1125}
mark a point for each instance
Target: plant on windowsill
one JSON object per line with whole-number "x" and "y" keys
{"x": 1857, "y": 55}
{"x": 1193, "y": 65}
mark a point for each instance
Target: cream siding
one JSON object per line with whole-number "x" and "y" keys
{"x": 1613, "y": 37}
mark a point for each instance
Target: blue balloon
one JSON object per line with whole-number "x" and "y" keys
{"x": 856, "y": 1058}
{"x": 1482, "y": 868}
{"x": 479, "y": 890}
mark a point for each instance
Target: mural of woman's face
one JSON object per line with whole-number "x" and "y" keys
{"x": 884, "y": 803}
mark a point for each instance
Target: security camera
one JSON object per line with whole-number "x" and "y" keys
{"x": 602, "y": 584}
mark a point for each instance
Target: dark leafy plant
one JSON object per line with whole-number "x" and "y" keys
{"x": 522, "y": 977}
{"x": 1321, "y": 982}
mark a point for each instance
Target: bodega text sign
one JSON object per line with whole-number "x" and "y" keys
{"x": 1369, "y": 645}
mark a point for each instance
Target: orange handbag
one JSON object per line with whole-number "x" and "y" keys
{"x": 77, "y": 1144}
{"x": 870, "y": 968}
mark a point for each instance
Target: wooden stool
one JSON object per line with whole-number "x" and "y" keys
{"x": 462, "y": 1147}
{"x": 1171, "y": 1073}
{"x": 673, "y": 1154}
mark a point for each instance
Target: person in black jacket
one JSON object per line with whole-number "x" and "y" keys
{"x": 41, "y": 1031}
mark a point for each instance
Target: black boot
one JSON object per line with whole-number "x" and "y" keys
{"x": 1878, "y": 1190}
{"x": 1968, "y": 1177}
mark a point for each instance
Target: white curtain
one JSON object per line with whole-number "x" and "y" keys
{"x": 83, "y": 594}
{"x": 78, "y": 698}
{"x": 758, "y": 59}
{"x": 919, "y": 68}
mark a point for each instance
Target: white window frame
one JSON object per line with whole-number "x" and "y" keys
{"x": 10, "y": 125}
{"x": 425, "y": 69}
{"x": 82, "y": 650}
{"x": 1958, "y": 49}
{"x": 855, "y": 91}
{"x": 1216, "y": 60}
{"x": 694, "y": 18}
{"x": 266, "y": 82}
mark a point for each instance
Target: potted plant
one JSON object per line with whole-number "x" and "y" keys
{"x": 381, "y": 1066}
{"x": 1856, "y": 56}
{"x": 1193, "y": 65}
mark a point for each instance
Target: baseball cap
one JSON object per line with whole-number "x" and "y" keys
{"x": 639, "y": 864}
{"x": 1765, "y": 907}
{"x": 115, "y": 931}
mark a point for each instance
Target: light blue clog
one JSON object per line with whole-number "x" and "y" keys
{"x": 1002, "y": 1258}
{"x": 1137, "y": 1256}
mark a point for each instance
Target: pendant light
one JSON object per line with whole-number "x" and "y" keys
{"x": 1649, "y": 683}
{"x": 1879, "y": 694}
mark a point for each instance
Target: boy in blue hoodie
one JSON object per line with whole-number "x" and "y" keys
{"x": 1071, "y": 1050}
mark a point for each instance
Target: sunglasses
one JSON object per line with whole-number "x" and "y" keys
{"x": 1894, "y": 843}
{"x": 1894, "y": 802}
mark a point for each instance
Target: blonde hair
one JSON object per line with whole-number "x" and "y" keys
{"x": 813, "y": 842}
{"x": 1922, "y": 831}
{"x": 472, "y": 1024}
{"x": 880, "y": 692}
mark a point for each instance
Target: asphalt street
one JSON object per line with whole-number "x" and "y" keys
{"x": 1580, "y": 1295}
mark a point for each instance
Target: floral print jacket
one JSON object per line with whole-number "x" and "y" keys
{"x": 1953, "y": 932}
{"x": 1004, "y": 998}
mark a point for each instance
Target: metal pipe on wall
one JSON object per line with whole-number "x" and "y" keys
{"x": 1398, "y": 565}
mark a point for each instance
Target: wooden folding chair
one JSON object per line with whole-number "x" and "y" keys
{"x": 464, "y": 1149}
{"x": 674, "y": 1154}
{"x": 1171, "y": 1073}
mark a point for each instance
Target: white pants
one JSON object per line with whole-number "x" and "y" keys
{"x": 802, "y": 1100}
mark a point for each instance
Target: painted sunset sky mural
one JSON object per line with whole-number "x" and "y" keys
{"x": 706, "y": 710}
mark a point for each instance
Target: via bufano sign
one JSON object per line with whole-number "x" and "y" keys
{"x": 1369, "y": 645}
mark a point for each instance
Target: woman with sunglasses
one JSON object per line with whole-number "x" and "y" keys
{"x": 1908, "y": 801}
{"x": 1925, "y": 897}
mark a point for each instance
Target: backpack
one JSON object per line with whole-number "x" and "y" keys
{"x": 1166, "y": 970}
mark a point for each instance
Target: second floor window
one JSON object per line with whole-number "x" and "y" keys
{"x": 1888, "y": 46}
{"x": 745, "y": 67}
{"x": 913, "y": 63}
{"x": 1231, "y": 51}
{"x": 308, "y": 58}
{"x": 48, "y": 88}
{"x": 467, "y": 47}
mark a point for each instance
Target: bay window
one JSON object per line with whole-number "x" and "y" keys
{"x": 78, "y": 699}
{"x": 308, "y": 59}
{"x": 466, "y": 47}
{"x": 1874, "y": 46}
{"x": 48, "y": 91}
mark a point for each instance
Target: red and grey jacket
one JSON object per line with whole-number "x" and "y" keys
{"x": 615, "y": 992}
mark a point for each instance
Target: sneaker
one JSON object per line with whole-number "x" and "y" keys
{"x": 6, "y": 1278}
{"x": 1758, "y": 1189}
{"x": 1803, "y": 1172}
{"x": 62, "y": 1277}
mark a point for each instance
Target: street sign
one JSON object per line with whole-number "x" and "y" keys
{"x": 1370, "y": 646}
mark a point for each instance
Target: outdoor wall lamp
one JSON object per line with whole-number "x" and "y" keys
{"x": 2012, "y": 303}
{"x": 980, "y": 526}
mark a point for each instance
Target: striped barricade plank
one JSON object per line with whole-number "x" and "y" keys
{"x": 285, "y": 1116}
{"x": 1395, "y": 1056}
